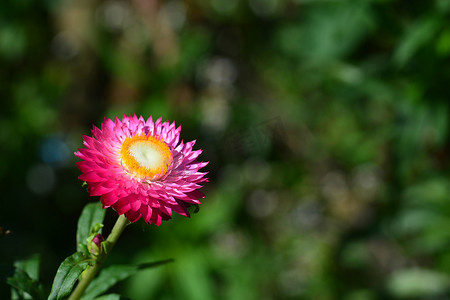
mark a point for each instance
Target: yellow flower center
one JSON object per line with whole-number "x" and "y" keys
{"x": 145, "y": 156}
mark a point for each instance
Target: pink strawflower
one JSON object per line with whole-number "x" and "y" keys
{"x": 140, "y": 169}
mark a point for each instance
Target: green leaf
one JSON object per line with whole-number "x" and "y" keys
{"x": 93, "y": 213}
{"x": 24, "y": 279}
{"x": 25, "y": 287}
{"x": 110, "y": 297}
{"x": 19, "y": 284}
{"x": 30, "y": 266}
{"x": 67, "y": 275}
{"x": 114, "y": 274}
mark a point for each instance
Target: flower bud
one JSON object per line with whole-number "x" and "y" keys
{"x": 95, "y": 245}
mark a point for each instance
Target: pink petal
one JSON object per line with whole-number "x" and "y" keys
{"x": 133, "y": 216}
{"x": 123, "y": 205}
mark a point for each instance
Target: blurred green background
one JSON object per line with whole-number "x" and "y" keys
{"x": 326, "y": 124}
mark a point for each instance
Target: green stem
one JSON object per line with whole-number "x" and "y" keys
{"x": 90, "y": 274}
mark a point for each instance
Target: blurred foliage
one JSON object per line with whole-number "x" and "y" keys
{"x": 326, "y": 124}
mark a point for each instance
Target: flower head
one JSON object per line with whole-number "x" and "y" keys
{"x": 141, "y": 169}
